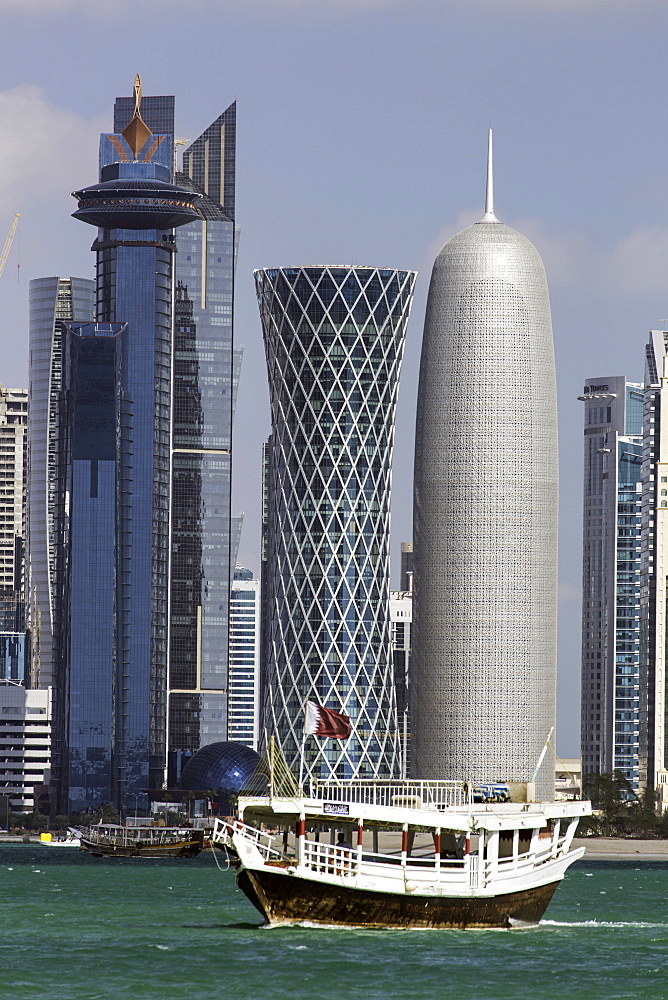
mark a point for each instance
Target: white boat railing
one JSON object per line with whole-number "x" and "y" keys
{"x": 262, "y": 841}
{"x": 474, "y": 870}
{"x": 432, "y": 795}
{"x": 334, "y": 859}
{"x": 330, "y": 858}
{"x": 546, "y": 849}
{"x": 344, "y": 860}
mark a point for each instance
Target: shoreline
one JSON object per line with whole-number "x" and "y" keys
{"x": 596, "y": 848}
{"x": 622, "y": 849}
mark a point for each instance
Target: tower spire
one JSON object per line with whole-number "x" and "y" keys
{"x": 136, "y": 133}
{"x": 489, "y": 194}
{"x": 137, "y": 89}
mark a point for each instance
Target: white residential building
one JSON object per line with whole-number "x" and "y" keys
{"x": 13, "y": 468}
{"x": 244, "y": 683}
{"x": 25, "y": 742}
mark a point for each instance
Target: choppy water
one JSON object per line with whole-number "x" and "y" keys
{"x": 79, "y": 928}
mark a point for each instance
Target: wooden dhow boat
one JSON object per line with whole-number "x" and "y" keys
{"x": 404, "y": 854}
{"x": 107, "y": 840}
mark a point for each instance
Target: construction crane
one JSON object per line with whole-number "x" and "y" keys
{"x": 8, "y": 243}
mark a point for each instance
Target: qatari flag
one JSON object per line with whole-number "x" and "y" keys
{"x": 326, "y": 722}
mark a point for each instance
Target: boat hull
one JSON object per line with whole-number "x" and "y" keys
{"x": 285, "y": 899}
{"x": 183, "y": 851}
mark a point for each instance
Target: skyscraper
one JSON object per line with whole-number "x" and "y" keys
{"x": 653, "y": 750}
{"x": 244, "y": 680}
{"x": 53, "y": 302}
{"x": 140, "y": 410}
{"x": 611, "y": 576}
{"x": 401, "y": 618}
{"x": 13, "y": 468}
{"x": 485, "y": 514}
{"x": 204, "y": 537}
{"x": 206, "y": 374}
{"x": 111, "y": 734}
{"x": 334, "y": 341}
{"x": 119, "y": 394}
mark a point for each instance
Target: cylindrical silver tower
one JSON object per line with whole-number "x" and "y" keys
{"x": 485, "y": 515}
{"x": 334, "y": 339}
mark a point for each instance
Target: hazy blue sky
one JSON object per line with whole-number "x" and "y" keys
{"x": 362, "y": 131}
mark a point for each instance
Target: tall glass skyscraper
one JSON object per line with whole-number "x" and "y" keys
{"x": 53, "y": 302}
{"x": 119, "y": 409}
{"x": 610, "y": 700}
{"x": 142, "y": 438}
{"x": 206, "y": 373}
{"x": 334, "y": 340}
{"x": 653, "y": 750}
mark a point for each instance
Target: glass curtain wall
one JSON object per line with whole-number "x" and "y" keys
{"x": 91, "y": 399}
{"x": 52, "y": 301}
{"x": 206, "y": 372}
{"x": 611, "y": 577}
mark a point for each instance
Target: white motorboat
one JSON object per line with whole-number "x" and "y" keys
{"x": 71, "y": 839}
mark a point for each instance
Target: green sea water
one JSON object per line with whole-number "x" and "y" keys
{"x": 74, "y": 927}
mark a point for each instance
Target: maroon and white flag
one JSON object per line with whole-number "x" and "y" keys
{"x": 326, "y": 722}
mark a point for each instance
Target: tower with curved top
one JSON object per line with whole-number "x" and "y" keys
{"x": 334, "y": 339}
{"x": 485, "y": 514}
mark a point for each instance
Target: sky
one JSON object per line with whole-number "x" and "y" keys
{"x": 361, "y": 139}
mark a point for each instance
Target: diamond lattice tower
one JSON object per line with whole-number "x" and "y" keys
{"x": 334, "y": 340}
{"x": 485, "y": 514}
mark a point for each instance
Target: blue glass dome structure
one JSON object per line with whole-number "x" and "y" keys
{"x": 223, "y": 766}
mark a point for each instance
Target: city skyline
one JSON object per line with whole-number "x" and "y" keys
{"x": 569, "y": 176}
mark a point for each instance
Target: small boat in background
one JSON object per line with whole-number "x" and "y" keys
{"x": 71, "y": 839}
{"x": 109, "y": 841}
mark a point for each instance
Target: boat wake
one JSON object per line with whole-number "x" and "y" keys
{"x": 313, "y": 925}
{"x": 621, "y": 924}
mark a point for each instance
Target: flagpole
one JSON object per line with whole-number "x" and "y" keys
{"x": 303, "y": 750}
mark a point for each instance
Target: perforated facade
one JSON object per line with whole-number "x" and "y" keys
{"x": 334, "y": 341}
{"x": 485, "y": 515}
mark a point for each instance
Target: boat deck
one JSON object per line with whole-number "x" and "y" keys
{"x": 422, "y": 803}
